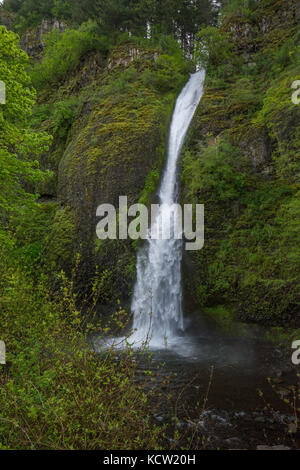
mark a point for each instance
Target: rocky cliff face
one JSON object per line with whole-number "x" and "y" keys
{"x": 242, "y": 163}
{"x": 114, "y": 146}
{"x": 110, "y": 119}
{"x": 33, "y": 41}
{"x": 111, "y": 155}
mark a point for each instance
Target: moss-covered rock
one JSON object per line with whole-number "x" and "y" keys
{"x": 243, "y": 164}
{"x": 110, "y": 122}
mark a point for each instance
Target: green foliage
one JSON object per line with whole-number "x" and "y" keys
{"x": 167, "y": 17}
{"x": 242, "y": 8}
{"x": 243, "y": 164}
{"x": 68, "y": 396}
{"x": 64, "y": 116}
{"x": 169, "y": 74}
{"x": 59, "y": 393}
{"x": 29, "y": 12}
{"x": 245, "y": 96}
{"x": 57, "y": 117}
{"x": 213, "y": 47}
{"x": 279, "y": 115}
{"x": 60, "y": 239}
{"x": 19, "y": 146}
{"x": 216, "y": 172}
{"x": 151, "y": 185}
{"x": 120, "y": 83}
{"x": 251, "y": 254}
{"x": 31, "y": 232}
{"x": 252, "y": 237}
{"x": 63, "y": 53}
{"x": 285, "y": 53}
{"x": 40, "y": 114}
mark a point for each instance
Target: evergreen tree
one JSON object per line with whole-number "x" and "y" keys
{"x": 181, "y": 18}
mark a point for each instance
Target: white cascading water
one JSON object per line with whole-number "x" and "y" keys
{"x": 157, "y": 298}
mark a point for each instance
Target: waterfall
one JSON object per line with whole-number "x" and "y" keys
{"x": 157, "y": 298}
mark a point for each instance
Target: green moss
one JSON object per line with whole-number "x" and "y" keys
{"x": 224, "y": 318}
{"x": 243, "y": 164}
{"x": 282, "y": 336}
{"x": 117, "y": 148}
{"x": 60, "y": 239}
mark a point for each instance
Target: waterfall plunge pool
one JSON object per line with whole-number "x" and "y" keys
{"x": 215, "y": 384}
{"x": 231, "y": 369}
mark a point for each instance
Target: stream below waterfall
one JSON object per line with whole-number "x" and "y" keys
{"x": 243, "y": 410}
{"x": 214, "y": 384}
{"x": 231, "y": 369}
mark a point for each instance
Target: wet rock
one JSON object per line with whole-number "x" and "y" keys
{"x": 239, "y": 414}
{"x": 159, "y": 418}
{"x": 278, "y": 447}
{"x": 123, "y": 60}
{"x": 191, "y": 423}
{"x": 256, "y": 147}
{"x": 180, "y": 424}
{"x": 32, "y": 41}
{"x": 233, "y": 443}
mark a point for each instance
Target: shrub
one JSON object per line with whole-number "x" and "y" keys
{"x": 215, "y": 172}
{"x": 58, "y": 393}
{"x": 64, "y": 116}
{"x": 213, "y": 47}
{"x": 63, "y": 53}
